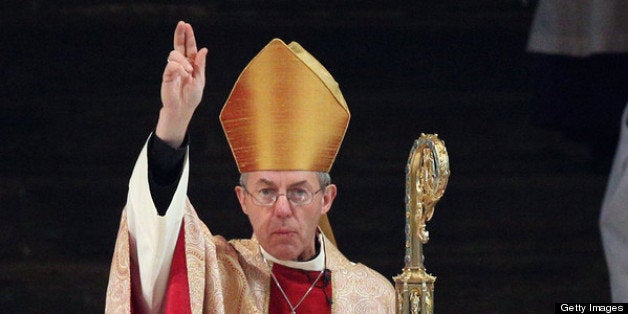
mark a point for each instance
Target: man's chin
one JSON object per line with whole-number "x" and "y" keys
{"x": 284, "y": 251}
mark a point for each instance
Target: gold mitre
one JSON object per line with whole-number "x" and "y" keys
{"x": 285, "y": 112}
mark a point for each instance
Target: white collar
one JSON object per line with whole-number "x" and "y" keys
{"x": 315, "y": 264}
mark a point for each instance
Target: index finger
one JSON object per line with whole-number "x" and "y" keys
{"x": 179, "y": 38}
{"x": 184, "y": 40}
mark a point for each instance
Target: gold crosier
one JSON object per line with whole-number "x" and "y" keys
{"x": 427, "y": 173}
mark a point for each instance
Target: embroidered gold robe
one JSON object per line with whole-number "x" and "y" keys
{"x": 228, "y": 276}
{"x": 231, "y": 277}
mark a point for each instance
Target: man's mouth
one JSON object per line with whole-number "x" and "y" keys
{"x": 283, "y": 232}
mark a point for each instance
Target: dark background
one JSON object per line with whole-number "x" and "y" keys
{"x": 515, "y": 232}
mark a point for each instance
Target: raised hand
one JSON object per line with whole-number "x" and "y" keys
{"x": 182, "y": 86}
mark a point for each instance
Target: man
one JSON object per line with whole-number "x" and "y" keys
{"x": 284, "y": 120}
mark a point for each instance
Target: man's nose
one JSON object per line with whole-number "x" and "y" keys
{"x": 282, "y": 206}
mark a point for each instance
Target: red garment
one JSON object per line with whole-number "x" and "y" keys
{"x": 295, "y": 283}
{"x": 178, "y": 291}
{"x": 177, "y": 298}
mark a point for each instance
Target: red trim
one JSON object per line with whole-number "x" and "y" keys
{"x": 177, "y": 298}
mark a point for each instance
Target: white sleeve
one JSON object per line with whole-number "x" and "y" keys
{"x": 154, "y": 236}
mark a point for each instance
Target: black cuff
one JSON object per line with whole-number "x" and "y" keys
{"x": 164, "y": 162}
{"x": 164, "y": 170}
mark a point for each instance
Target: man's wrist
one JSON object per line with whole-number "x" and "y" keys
{"x": 172, "y": 127}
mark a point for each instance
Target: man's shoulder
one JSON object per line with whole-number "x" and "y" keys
{"x": 364, "y": 290}
{"x": 359, "y": 270}
{"x": 247, "y": 247}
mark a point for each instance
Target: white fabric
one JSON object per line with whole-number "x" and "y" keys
{"x": 315, "y": 264}
{"x": 614, "y": 219}
{"x": 579, "y": 27}
{"x": 153, "y": 237}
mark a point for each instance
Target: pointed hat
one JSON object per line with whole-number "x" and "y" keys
{"x": 285, "y": 112}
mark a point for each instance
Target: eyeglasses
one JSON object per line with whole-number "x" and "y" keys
{"x": 296, "y": 196}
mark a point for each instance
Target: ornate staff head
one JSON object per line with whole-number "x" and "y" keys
{"x": 427, "y": 174}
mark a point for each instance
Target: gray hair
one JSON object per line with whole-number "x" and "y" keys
{"x": 324, "y": 179}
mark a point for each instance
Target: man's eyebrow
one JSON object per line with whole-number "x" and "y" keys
{"x": 265, "y": 181}
{"x": 298, "y": 183}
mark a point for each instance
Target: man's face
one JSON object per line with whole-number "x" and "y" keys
{"x": 285, "y": 230}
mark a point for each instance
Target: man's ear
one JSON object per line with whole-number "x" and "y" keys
{"x": 329, "y": 194}
{"x": 240, "y": 193}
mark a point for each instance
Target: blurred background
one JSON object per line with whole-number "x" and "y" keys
{"x": 515, "y": 232}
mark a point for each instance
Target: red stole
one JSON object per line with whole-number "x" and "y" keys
{"x": 178, "y": 290}
{"x": 177, "y": 298}
{"x": 295, "y": 283}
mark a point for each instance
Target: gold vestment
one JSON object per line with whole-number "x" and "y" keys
{"x": 231, "y": 276}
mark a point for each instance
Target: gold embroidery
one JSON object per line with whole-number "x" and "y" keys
{"x": 119, "y": 288}
{"x": 230, "y": 277}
